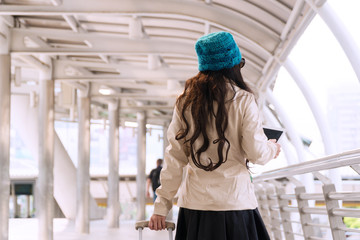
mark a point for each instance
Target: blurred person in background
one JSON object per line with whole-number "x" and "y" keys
{"x": 154, "y": 179}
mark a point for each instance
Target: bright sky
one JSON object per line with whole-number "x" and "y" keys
{"x": 325, "y": 67}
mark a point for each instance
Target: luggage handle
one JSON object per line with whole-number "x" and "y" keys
{"x": 140, "y": 225}
{"x": 145, "y": 224}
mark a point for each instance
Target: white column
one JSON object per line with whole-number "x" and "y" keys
{"x": 141, "y": 166}
{"x": 13, "y": 198}
{"x": 322, "y": 123}
{"x": 83, "y": 167}
{"x": 320, "y": 119}
{"x": 284, "y": 141}
{"x": 291, "y": 130}
{"x": 113, "y": 209}
{"x": 4, "y": 130}
{"x": 294, "y": 137}
{"x": 45, "y": 181}
{"x": 340, "y": 32}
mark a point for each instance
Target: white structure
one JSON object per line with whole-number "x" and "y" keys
{"x": 128, "y": 60}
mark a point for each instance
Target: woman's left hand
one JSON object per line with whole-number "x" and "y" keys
{"x": 157, "y": 222}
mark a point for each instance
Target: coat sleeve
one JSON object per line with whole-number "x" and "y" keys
{"x": 172, "y": 172}
{"x": 255, "y": 144}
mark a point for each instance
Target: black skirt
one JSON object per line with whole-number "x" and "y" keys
{"x": 220, "y": 225}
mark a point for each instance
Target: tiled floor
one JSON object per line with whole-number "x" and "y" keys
{"x": 27, "y": 229}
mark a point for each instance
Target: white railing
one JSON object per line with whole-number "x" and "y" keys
{"x": 289, "y": 211}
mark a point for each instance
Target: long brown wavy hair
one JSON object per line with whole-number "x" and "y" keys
{"x": 201, "y": 91}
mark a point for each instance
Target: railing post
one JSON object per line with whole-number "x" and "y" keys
{"x": 305, "y": 218}
{"x": 335, "y": 221}
{"x": 263, "y": 206}
{"x": 274, "y": 214}
{"x": 285, "y": 216}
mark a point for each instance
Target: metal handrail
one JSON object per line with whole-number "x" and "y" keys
{"x": 333, "y": 161}
{"x": 316, "y": 238}
{"x": 350, "y": 229}
{"x": 314, "y": 210}
{"x": 318, "y": 225}
{"x": 311, "y": 196}
{"x": 288, "y": 196}
{"x": 343, "y": 212}
{"x": 350, "y": 196}
{"x": 290, "y": 209}
{"x": 274, "y": 200}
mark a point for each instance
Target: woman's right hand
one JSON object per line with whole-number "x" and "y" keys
{"x": 157, "y": 222}
{"x": 278, "y": 147}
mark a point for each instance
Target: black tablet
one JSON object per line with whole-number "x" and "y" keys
{"x": 272, "y": 133}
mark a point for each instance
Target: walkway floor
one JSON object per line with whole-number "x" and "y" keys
{"x": 27, "y": 229}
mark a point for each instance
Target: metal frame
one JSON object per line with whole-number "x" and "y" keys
{"x": 4, "y": 129}
{"x": 287, "y": 178}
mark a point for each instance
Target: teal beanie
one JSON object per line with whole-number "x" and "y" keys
{"x": 217, "y": 51}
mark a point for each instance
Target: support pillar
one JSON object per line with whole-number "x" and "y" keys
{"x": 16, "y": 207}
{"x": 28, "y": 211}
{"x": 319, "y": 117}
{"x": 294, "y": 137}
{"x": 322, "y": 123}
{"x": 284, "y": 141}
{"x": 83, "y": 167}
{"x": 45, "y": 181}
{"x": 4, "y": 130}
{"x": 113, "y": 208}
{"x": 13, "y": 196}
{"x": 141, "y": 166}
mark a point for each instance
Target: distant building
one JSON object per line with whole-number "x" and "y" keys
{"x": 344, "y": 116}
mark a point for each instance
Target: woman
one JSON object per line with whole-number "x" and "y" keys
{"x": 215, "y": 130}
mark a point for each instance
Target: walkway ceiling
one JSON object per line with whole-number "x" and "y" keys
{"x": 142, "y": 51}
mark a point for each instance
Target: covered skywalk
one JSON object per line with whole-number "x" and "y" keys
{"x": 115, "y": 62}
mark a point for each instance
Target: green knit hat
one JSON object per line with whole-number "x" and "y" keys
{"x": 217, "y": 51}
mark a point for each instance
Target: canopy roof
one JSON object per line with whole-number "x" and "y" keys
{"x": 142, "y": 51}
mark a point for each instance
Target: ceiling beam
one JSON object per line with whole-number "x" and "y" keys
{"x": 73, "y": 23}
{"x": 147, "y": 107}
{"x": 35, "y": 62}
{"x": 164, "y": 97}
{"x": 56, "y": 2}
{"x": 126, "y": 71}
{"x": 283, "y": 52}
{"x": 8, "y": 20}
{"x": 99, "y": 44}
{"x": 192, "y": 9}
